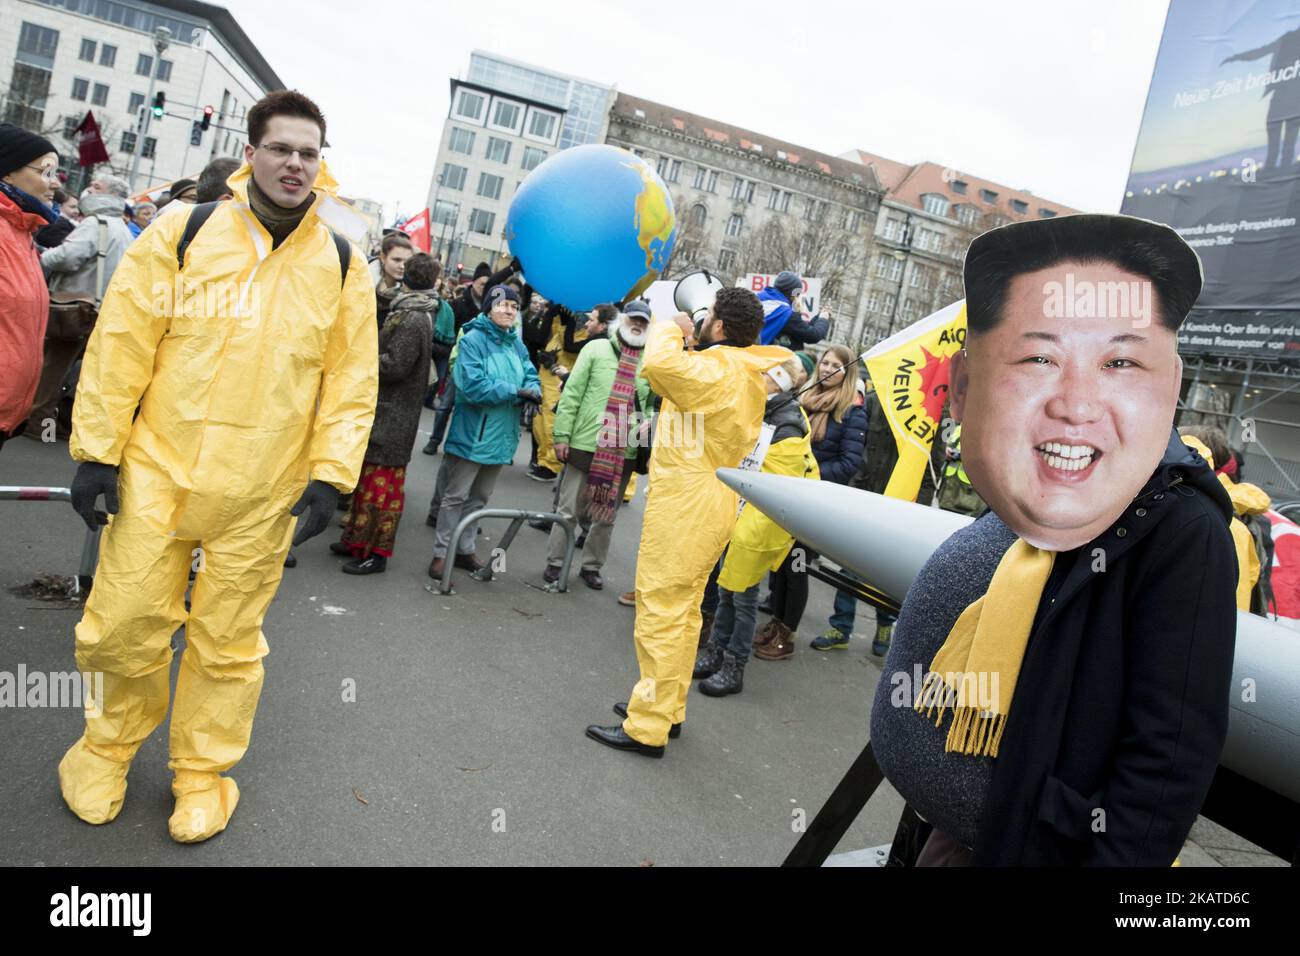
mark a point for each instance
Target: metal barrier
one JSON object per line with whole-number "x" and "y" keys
{"x": 89, "y": 548}
{"x": 518, "y": 517}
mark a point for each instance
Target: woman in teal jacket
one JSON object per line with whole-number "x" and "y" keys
{"x": 493, "y": 377}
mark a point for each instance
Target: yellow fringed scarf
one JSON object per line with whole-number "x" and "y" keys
{"x": 975, "y": 671}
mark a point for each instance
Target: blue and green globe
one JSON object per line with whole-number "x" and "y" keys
{"x": 592, "y": 224}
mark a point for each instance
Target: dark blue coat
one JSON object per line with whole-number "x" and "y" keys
{"x": 839, "y": 453}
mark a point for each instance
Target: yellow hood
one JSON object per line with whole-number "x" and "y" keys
{"x": 1247, "y": 499}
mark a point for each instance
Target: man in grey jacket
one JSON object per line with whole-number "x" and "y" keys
{"x": 72, "y": 267}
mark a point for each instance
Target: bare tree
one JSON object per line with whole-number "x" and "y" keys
{"x": 689, "y": 252}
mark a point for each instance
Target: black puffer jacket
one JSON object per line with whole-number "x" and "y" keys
{"x": 839, "y": 453}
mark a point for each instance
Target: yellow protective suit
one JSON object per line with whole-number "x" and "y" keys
{"x": 759, "y": 544}
{"x": 544, "y": 420}
{"x": 1247, "y": 499}
{"x": 712, "y": 409}
{"x": 256, "y": 376}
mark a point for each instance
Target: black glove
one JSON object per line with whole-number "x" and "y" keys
{"x": 530, "y": 395}
{"x": 323, "y": 499}
{"x": 516, "y": 265}
{"x": 92, "y": 479}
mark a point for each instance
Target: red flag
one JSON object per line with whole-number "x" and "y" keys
{"x": 90, "y": 145}
{"x": 417, "y": 227}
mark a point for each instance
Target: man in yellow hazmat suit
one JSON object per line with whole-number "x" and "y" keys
{"x": 254, "y": 371}
{"x": 713, "y": 402}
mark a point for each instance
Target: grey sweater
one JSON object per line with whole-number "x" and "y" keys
{"x": 946, "y": 789}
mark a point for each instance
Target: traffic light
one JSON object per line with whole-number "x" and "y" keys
{"x": 196, "y": 134}
{"x": 159, "y": 104}
{"x": 207, "y": 118}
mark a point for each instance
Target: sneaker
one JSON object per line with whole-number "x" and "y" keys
{"x": 338, "y": 547}
{"x": 832, "y": 640}
{"x": 707, "y": 661}
{"x": 627, "y": 599}
{"x": 538, "y": 473}
{"x": 375, "y": 564}
{"x": 880, "y": 644}
{"x": 430, "y": 447}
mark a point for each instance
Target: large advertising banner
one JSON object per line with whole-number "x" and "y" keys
{"x": 1216, "y": 158}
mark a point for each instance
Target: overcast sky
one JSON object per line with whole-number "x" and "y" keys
{"x": 1044, "y": 96}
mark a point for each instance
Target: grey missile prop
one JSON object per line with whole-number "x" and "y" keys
{"x": 887, "y": 541}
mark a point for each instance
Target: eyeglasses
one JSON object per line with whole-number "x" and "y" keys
{"x": 280, "y": 151}
{"x": 50, "y": 173}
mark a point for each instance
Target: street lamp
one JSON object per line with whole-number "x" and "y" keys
{"x": 161, "y": 40}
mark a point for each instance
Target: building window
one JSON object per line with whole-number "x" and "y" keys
{"x": 150, "y": 146}
{"x": 461, "y": 141}
{"x": 929, "y": 240}
{"x": 951, "y": 286}
{"x": 100, "y": 96}
{"x": 143, "y": 64}
{"x": 453, "y": 176}
{"x": 498, "y": 150}
{"x": 742, "y": 189}
{"x": 873, "y": 301}
{"x": 1020, "y": 206}
{"x": 470, "y": 105}
{"x": 812, "y": 211}
{"x": 698, "y": 214}
{"x": 700, "y": 174}
{"x": 70, "y": 125}
{"x": 489, "y": 186}
{"x": 533, "y": 158}
{"x": 38, "y": 41}
{"x": 446, "y": 213}
{"x": 482, "y": 222}
{"x": 935, "y": 204}
{"x": 887, "y": 267}
{"x": 542, "y": 125}
{"x": 30, "y": 85}
{"x": 958, "y": 186}
{"x": 888, "y": 303}
{"x": 87, "y": 53}
{"x": 922, "y": 278}
{"x": 1046, "y": 213}
{"x": 674, "y": 171}
{"x": 895, "y": 229}
{"x": 773, "y": 198}
{"x": 80, "y": 89}
{"x": 841, "y": 255}
{"x": 735, "y": 223}
{"x": 726, "y": 260}
{"x": 164, "y": 70}
{"x": 128, "y": 142}
{"x": 711, "y": 184}
{"x": 854, "y": 221}
{"x": 988, "y": 196}
{"x": 968, "y": 214}
{"x": 911, "y": 311}
{"x": 107, "y": 55}
{"x": 137, "y": 101}
{"x": 506, "y": 115}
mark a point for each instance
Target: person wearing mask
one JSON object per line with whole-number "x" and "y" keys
{"x": 955, "y": 491}
{"x": 758, "y": 545}
{"x": 84, "y": 264}
{"x": 493, "y": 378}
{"x": 598, "y": 433}
{"x": 142, "y": 214}
{"x": 689, "y": 513}
{"x": 29, "y": 174}
{"x": 370, "y": 528}
{"x": 212, "y": 186}
{"x": 387, "y": 271}
{"x": 65, "y": 206}
{"x": 1069, "y": 653}
{"x": 208, "y": 432}
{"x": 783, "y": 320}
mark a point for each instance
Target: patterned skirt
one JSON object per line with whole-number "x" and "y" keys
{"x": 377, "y": 502}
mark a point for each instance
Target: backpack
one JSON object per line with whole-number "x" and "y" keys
{"x": 203, "y": 211}
{"x": 444, "y": 326}
{"x": 1261, "y": 532}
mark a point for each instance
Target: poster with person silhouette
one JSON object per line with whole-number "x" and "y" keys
{"x": 1217, "y": 158}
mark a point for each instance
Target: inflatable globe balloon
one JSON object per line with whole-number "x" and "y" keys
{"x": 592, "y": 224}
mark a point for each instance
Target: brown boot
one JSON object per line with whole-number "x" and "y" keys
{"x": 781, "y": 645}
{"x": 764, "y": 635}
{"x": 706, "y": 628}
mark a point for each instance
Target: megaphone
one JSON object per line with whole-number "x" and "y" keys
{"x": 695, "y": 293}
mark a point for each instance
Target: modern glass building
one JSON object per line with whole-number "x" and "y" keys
{"x": 587, "y": 103}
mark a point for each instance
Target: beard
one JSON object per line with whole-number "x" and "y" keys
{"x": 631, "y": 338}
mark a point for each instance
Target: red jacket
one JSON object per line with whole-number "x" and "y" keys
{"x": 24, "y": 310}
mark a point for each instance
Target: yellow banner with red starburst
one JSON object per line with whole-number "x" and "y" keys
{"x": 909, "y": 372}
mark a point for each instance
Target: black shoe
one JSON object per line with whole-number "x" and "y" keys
{"x": 430, "y": 447}
{"x": 615, "y": 737}
{"x": 289, "y": 562}
{"x": 551, "y": 574}
{"x": 540, "y": 524}
{"x": 538, "y": 473}
{"x": 338, "y": 547}
{"x": 431, "y": 521}
{"x": 591, "y": 577}
{"x": 728, "y": 679}
{"x": 674, "y": 731}
{"x": 375, "y": 564}
{"x": 708, "y": 661}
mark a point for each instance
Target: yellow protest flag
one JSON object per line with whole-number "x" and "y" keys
{"x": 910, "y": 373}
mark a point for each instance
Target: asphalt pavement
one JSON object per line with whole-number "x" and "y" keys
{"x": 464, "y": 741}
